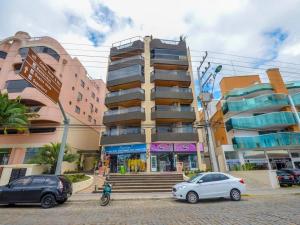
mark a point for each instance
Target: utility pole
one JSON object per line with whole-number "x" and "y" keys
{"x": 63, "y": 141}
{"x": 205, "y": 98}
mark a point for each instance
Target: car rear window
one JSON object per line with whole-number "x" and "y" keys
{"x": 51, "y": 180}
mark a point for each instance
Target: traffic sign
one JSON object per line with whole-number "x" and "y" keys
{"x": 36, "y": 72}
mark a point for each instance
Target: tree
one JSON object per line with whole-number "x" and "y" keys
{"x": 13, "y": 114}
{"x": 48, "y": 155}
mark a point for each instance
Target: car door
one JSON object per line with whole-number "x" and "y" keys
{"x": 204, "y": 187}
{"x": 34, "y": 189}
{"x": 15, "y": 190}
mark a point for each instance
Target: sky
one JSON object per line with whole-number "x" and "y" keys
{"x": 245, "y": 37}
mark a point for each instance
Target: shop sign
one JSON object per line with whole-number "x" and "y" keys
{"x": 161, "y": 147}
{"x": 123, "y": 149}
{"x": 185, "y": 147}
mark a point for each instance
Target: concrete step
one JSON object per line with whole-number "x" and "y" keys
{"x": 143, "y": 184}
{"x": 139, "y": 190}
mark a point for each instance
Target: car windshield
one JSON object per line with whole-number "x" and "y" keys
{"x": 195, "y": 178}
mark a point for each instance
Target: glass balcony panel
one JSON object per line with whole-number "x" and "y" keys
{"x": 124, "y": 131}
{"x": 263, "y": 101}
{"x": 125, "y": 72}
{"x": 261, "y": 121}
{"x": 123, "y": 92}
{"x": 126, "y": 59}
{"x": 293, "y": 84}
{"x": 122, "y": 111}
{"x": 296, "y": 99}
{"x": 172, "y": 89}
{"x": 171, "y": 72}
{"x": 272, "y": 140}
{"x": 245, "y": 91}
{"x": 173, "y": 108}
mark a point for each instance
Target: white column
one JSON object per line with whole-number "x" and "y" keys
{"x": 290, "y": 155}
{"x": 268, "y": 161}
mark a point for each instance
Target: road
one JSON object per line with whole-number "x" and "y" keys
{"x": 284, "y": 209}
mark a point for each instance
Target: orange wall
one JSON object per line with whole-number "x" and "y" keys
{"x": 276, "y": 81}
{"x": 229, "y": 83}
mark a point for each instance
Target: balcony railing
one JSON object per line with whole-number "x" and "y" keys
{"x": 168, "y": 108}
{"x": 125, "y": 131}
{"x": 296, "y": 99}
{"x": 170, "y": 72}
{"x": 123, "y": 92}
{"x": 248, "y": 90}
{"x": 293, "y": 84}
{"x": 126, "y": 42}
{"x": 272, "y": 140}
{"x": 172, "y": 89}
{"x": 125, "y": 72}
{"x": 126, "y": 60}
{"x": 275, "y": 119}
{"x": 123, "y": 111}
{"x": 180, "y": 130}
{"x": 264, "y": 101}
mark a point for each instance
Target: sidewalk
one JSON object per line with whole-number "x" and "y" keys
{"x": 167, "y": 195}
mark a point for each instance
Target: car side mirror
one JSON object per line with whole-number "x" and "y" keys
{"x": 200, "y": 181}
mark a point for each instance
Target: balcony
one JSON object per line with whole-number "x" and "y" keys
{"x": 257, "y": 104}
{"x": 296, "y": 99}
{"x": 262, "y": 122}
{"x": 286, "y": 140}
{"x": 171, "y": 95}
{"x": 172, "y": 114}
{"x": 171, "y": 78}
{"x": 127, "y": 48}
{"x": 125, "y": 78}
{"x": 174, "y": 134}
{"x": 293, "y": 87}
{"x": 46, "y": 114}
{"x": 125, "y": 62}
{"x": 133, "y": 115}
{"x": 125, "y": 98}
{"x": 251, "y": 91}
{"x": 128, "y": 135}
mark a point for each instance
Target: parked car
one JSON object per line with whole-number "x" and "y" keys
{"x": 48, "y": 190}
{"x": 295, "y": 173}
{"x": 284, "y": 178}
{"x": 210, "y": 185}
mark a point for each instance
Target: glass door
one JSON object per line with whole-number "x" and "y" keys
{"x": 153, "y": 163}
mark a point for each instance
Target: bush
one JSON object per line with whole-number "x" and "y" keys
{"x": 74, "y": 178}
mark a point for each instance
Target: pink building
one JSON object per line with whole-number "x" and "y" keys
{"x": 81, "y": 97}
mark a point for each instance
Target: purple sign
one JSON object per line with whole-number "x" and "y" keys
{"x": 161, "y": 147}
{"x": 185, "y": 147}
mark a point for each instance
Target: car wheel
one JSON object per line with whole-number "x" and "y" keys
{"x": 62, "y": 201}
{"x": 235, "y": 195}
{"x": 192, "y": 197}
{"x": 48, "y": 201}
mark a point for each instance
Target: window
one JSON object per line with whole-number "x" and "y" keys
{"x": 97, "y": 99}
{"x": 90, "y": 118}
{"x": 51, "y": 181}
{"x": 96, "y": 110}
{"x": 3, "y": 55}
{"x": 21, "y": 182}
{"x": 15, "y": 86}
{"x": 79, "y": 96}
{"x": 30, "y": 153}
{"x": 73, "y": 88}
{"x": 91, "y": 107}
{"x": 17, "y": 67}
{"x": 88, "y": 88}
{"x": 83, "y": 113}
{"x": 82, "y": 83}
{"x": 214, "y": 177}
{"x": 40, "y": 49}
{"x": 70, "y": 103}
{"x": 76, "y": 75}
{"x": 93, "y": 95}
{"x": 37, "y": 181}
{"x": 77, "y": 109}
{"x": 95, "y": 121}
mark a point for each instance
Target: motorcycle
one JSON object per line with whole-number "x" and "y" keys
{"x": 105, "y": 198}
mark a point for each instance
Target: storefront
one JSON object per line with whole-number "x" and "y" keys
{"x": 131, "y": 157}
{"x": 166, "y": 157}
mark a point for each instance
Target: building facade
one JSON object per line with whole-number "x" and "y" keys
{"x": 254, "y": 123}
{"x": 81, "y": 97}
{"x": 151, "y": 108}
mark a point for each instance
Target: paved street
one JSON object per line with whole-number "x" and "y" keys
{"x": 252, "y": 210}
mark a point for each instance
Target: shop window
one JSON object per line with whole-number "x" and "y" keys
{"x": 77, "y": 110}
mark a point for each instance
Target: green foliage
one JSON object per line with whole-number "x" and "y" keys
{"x": 48, "y": 155}
{"x": 13, "y": 114}
{"x": 76, "y": 177}
{"x": 244, "y": 167}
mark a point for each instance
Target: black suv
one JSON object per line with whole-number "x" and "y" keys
{"x": 45, "y": 189}
{"x": 295, "y": 173}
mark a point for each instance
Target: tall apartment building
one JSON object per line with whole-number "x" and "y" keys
{"x": 151, "y": 107}
{"x": 82, "y": 99}
{"x": 254, "y": 122}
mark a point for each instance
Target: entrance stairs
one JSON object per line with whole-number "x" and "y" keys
{"x": 143, "y": 183}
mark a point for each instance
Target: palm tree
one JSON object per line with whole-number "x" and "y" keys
{"x": 13, "y": 114}
{"x": 48, "y": 155}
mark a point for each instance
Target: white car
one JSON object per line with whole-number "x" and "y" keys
{"x": 210, "y": 185}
